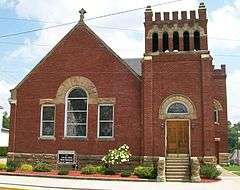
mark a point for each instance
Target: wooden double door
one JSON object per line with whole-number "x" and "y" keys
{"x": 178, "y": 137}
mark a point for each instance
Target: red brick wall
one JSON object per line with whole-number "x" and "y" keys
{"x": 192, "y": 76}
{"x": 112, "y": 80}
{"x": 220, "y": 95}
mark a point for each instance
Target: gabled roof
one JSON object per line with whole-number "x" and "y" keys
{"x": 129, "y": 65}
{"x": 135, "y": 64}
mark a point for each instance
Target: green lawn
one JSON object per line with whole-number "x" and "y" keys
{"x": 233, "y": 168}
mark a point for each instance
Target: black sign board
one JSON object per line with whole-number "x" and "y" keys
{"x": 65, "y": 157}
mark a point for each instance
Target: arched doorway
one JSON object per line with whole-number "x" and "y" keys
{"x": 177, "y": 130}
{"x": 177, "y": 111}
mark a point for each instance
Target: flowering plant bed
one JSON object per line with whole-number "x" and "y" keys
{"x": 73, "y": 174}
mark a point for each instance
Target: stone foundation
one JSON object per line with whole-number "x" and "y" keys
{"x": 223, "y": 158}
{"x": 82, "y": 160}
{"x": 33, "y": 158}
{"x": 195, "y": 169}
{"x": 209, "y": 160}
{"x": 161, "y": 170}
{"x": 149, "y": 160}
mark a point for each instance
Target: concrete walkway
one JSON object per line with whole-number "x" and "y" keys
{"x": 34, "y": 183}
{"x": 226, "y": 174}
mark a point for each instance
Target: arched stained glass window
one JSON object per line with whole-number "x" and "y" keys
{"x": 177, "y": 108}
{"x": 76, "y": 113}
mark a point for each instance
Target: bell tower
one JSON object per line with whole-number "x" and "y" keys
{"x": 180, "y": 33}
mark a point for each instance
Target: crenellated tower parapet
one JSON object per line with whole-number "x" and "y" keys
{"x": 182, "y": 31}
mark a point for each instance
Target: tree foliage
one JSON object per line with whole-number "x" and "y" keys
{"x": 6, "y": 120}
{"x": 233, "y": 136}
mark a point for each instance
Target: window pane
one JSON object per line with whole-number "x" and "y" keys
{"x": 106, "y": 112}
{"x": 76, "y": 117}
{"x": 105, "y": 129}
{"x": 47, "y": 128}
{"x": 76, "y": 130}
{"x": 48, "y": 113}
{"x": 77, "y": 93}
{"x": 215, "y": 116}
{"x": 79, "y": 104}
{"x": 177, "y": 108}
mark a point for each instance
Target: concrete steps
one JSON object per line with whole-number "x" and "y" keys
{"x": 177, "y": 168}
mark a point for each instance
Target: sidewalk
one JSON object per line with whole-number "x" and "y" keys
{"x": 34, "y": 183}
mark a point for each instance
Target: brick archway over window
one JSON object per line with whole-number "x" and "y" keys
{"x": 192, "y": 114}
{"x": 77, "y": 81}
{"x": 217, "y": 105}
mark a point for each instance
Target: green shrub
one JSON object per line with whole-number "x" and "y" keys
{"x": 3, "y": 151}
{"x": 3, "y": 166}
{"x": 145, "y": 172}
{"x": 209, "y": 171}
{"x": 11, "y": 169}
{"x": 100, "y": 169}
{"x": 26, "y": 168}
{"x": 12, "y": 165}
{"x": 63, "y": 171}
{"x": 42, "y": 167}
{"x": 126, "y": 173}
{"x": 89, "y": 169}
{"x": 109, "y": 171}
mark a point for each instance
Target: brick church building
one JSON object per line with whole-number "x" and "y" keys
{"x": 83, "y": 97}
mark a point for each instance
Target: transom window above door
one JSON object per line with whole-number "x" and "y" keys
{"x": 76, "y": 113}
{"x": 177, "y": 108}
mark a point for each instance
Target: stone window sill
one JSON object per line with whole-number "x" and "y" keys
{"x": 76, "y": 138}
{"x": 105, "y": 139}
{"x": 216, "y": 123}
{"x": 47, "y": 138}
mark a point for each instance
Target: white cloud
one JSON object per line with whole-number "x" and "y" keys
{"x": 233, "y": 84}
{"x": 5, "y": 94}
{"x": 225, "y": 24}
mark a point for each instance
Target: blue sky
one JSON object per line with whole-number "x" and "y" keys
{"x": 17, "y": 60}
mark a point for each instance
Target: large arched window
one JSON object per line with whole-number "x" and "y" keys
{"x": 186, "y": 41}
{"x": 76, "y": 113}
{"x": 165, "y": 41}
{"x": 197, "y": 40}
{"x": 175, "y": 41}
{"x": 155, "y": 42}
{"x": 177, "y": 108}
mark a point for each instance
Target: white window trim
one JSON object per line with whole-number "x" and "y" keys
{"x": 98, "y": 127}
{"x": 66, "y": 111}
{"x": 217, "y": 116}
{"x": 177, "y": 113}
{"x": 41, "y": 122}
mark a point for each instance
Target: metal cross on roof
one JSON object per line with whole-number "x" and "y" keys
{"x": 82, "y": 13}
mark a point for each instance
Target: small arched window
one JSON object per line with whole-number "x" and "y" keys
{"x": 216, "y": 111}
{"x": 197, "y": 40}
{"x": 177, "y": 108}
{"x": 76, "y": 113}
{"x": 165, "y": 41}
{"x": 186, "y": 41}
{"x": 155, "y": 42}
{"x": 175, "y": 41}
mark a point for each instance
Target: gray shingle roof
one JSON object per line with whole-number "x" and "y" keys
{"x": 135, "y": 64}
